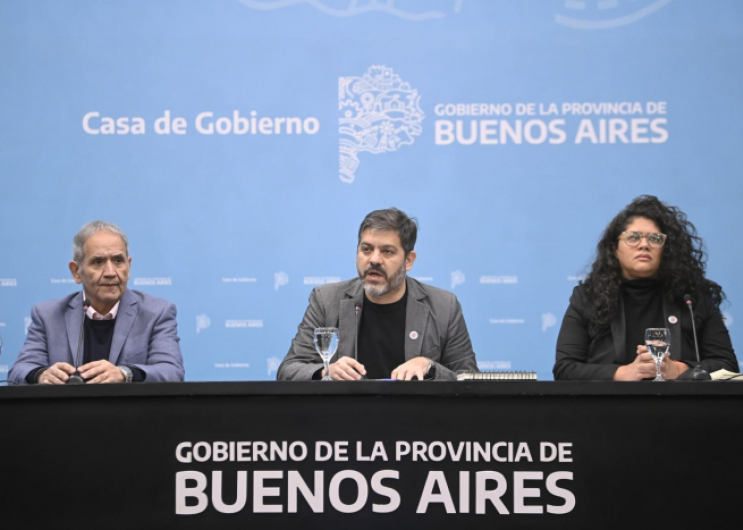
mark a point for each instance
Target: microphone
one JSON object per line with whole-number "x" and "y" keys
{"x": 76, "y": 378}
{"x": 356, "y": 311}
{"x": 6, "y": 381}
{"x": 698, "y": 373}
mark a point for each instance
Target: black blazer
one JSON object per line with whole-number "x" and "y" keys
{"x": 581, "y": 355}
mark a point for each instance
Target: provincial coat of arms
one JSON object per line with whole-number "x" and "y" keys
{"x": 379, "y": 113}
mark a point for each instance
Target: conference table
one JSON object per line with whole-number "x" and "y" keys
{"x": 372, "y": 454}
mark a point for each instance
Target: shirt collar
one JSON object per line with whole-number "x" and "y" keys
{"x": 95, "y": 315}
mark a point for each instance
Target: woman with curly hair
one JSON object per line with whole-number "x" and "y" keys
{"x": 648, "y": 259}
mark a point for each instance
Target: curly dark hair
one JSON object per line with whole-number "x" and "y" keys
{"x": 681, "y": 269}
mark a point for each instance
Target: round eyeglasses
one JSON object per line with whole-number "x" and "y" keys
{"x": 633, "y": 239}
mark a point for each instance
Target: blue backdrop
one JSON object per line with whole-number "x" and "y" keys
{"x": 240, "y": 143}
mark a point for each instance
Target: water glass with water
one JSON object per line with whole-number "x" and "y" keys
{"x": 658, "y": 340}
{"x": 326, "y": 344}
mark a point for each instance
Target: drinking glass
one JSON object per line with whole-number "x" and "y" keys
{"x": 326, "y": 344}
{"x": 658, "y": 340}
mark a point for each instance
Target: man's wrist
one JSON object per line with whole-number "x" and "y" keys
{"x": 431, "y": 373}
{"x": 127, "y": 373}
{"x": 38, "y": 373}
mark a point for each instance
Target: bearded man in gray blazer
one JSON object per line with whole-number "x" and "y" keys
{"x": 129, "y": 336}
{"x": 390, "y": 326}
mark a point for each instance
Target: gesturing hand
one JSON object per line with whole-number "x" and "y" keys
{"x": 346, "y": 369}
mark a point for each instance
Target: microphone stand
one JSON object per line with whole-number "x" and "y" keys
{"x": 76, "y": 378}
{"x": 697, "y": 373}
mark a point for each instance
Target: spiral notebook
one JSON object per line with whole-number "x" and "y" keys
{"x": 497, "y": 376}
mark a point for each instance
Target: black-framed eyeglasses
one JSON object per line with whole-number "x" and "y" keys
{"x": 633, "y": 239}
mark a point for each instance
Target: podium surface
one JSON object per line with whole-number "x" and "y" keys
{"x": 474, "y": 454}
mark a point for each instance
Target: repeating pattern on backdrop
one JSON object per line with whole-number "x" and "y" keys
{"x": 202, "y": 322}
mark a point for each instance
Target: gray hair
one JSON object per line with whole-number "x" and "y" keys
{"x": 392, "y": 219}
{"x": 88, "y": 230}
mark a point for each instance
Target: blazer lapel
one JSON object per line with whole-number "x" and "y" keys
{"x": 128, "y": 309}
{"x": 73, "y": 320}
{"x": 348, "y": 322}
{"x": 673, "y": 322}
{"x": 416, "y": 318}
{"x": 618, "y": 332}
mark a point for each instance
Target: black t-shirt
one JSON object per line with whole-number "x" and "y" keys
{"x": 382, "y": 337}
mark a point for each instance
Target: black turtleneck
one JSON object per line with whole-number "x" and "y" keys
{"x": 643, "y": 308}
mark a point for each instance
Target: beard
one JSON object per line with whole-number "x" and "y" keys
{"x": 390, "y": 285}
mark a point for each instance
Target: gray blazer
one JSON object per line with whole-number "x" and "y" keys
{"x": 433, "y": 314}
{"x": 145, "y": 336}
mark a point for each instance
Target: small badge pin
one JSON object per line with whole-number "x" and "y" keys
{"x": 413, "y": 335}
{"x": 672, "y": 319}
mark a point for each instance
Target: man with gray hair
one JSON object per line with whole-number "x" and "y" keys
{"x": 119, "y": 335}
{"x": 390, "y": 325}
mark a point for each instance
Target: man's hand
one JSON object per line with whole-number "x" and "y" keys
{"x": 101, "y": 372}
{"x": 417, "y": 367}
{"x": 56, "y": 374}
{"x": 643, "y": 367}
{"x": 346, "y": 369}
